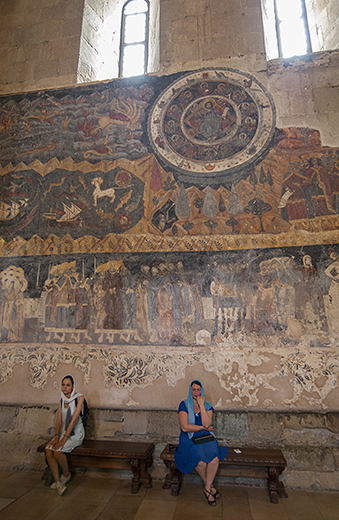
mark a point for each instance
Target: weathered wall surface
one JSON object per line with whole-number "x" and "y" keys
{"x": 151, "y": 226}
{"x": 308, "y": 440}
{"x": 165, "y": 228}
{"x": 39, "y": 43}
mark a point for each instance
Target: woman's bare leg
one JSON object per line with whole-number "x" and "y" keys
{"x": 201, "y": 470}
{"x": 53, "y": 464}
{"x": 211, "y": 471}
{"x": 62, "y": 460}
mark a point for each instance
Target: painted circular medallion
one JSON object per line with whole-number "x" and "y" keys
{"x": 211, "y": 123}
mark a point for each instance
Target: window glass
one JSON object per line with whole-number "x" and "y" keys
{"x": 133, "y": 60}
{"x": 293, "y": 41}
{"x": 135, "y": 28}
{"x": 137, "y": 6}
{"x": 134, "y": 38}
{"x": 287, "y": 9}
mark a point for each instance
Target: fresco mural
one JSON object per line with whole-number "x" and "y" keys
{"x": 171, "y": 299}
{"x": 168, "y": 213}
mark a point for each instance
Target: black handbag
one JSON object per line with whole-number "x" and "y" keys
{"x": 203, "y": 438}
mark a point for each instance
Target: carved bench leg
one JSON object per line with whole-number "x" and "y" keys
{"x": 135, "y": 467}
{"x": 173, "y": 479}
{"x": 275, "y": 487}
{"x": 145, "y": 477}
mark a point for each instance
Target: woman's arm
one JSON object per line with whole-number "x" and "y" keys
{"x": 73, "y": 421}
{"x": 183, "y": 419}
{"x": 58, "y": 423}
{"x": 206, "y": 416}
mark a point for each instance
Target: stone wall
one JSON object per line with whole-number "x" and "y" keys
{"x": 39, "y": 43}
{"x": 309, "y": 441}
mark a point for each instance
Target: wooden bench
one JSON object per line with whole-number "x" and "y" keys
{"x": 250, "y": 462}
{"x": 136, "y": 456}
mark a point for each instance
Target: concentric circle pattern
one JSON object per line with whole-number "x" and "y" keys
{"x": 210, "y": 123}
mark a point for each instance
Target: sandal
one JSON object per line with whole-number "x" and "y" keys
{"x": 212, "y": 503}
{"x": 216, "y": 494}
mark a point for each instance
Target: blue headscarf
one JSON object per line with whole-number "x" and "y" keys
{"x": 190, "y": 406}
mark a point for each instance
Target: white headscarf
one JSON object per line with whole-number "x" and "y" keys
{"x": 70, "y": 400}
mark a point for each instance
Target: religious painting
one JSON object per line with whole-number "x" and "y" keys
{"x": 172, "y": 299}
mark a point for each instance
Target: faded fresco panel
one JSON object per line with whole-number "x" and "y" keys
{"x": 151, "y": 226}
{"x": 171, "y": 298}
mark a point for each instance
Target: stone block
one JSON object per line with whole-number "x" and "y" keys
{"x": 17, "y": 451}
{"x": 306, "y": 458}
{"x": 219, "y": 47}
{"x": 329, "y": 481}
{"x": 163, "y": 425}
{"x": 262, "y": 421}
{"x": 46, "y": 69}
{"x": 108, "y": 430}
{"x": 228, "y": 425}
{"x": 305, "y": 420}
{"x": 184, "y": 29}
{"x": 301, "y": 480}
{"x": 310, "y": 437}
{"x": 135, "y": 422}
{"x": 98, "y": 415}
{"x": 332, "y": 422}
{"x": 33, "y": 420}
{"x": 326, "y": 99}
{"x": 251, "y": 42}
{"x": 8, "y": 416}
{"x": 68, "y": 67}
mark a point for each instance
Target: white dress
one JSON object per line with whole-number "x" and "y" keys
{"x": 79, "y": 432}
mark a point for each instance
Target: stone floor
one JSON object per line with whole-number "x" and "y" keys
{"x": 23, "y": 495}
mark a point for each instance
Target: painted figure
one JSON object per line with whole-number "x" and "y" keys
{"x": 12, "y": 287}
{"x": 307, "y": 192}
{"x": 332, "y": 271}
{"x": 309, "y": 300}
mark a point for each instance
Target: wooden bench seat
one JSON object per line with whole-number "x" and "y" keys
{"x": 250, "y": 462}
{"x": 136, "y": 456}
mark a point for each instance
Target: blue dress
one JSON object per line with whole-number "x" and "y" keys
{"x": 188, "y": 455}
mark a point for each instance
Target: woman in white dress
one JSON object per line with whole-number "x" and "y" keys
{"x": 69, "y": 433}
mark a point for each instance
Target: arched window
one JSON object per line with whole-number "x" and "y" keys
{"x": 134, "y": 38}
{"x": 293, "y": 35}
{"x": 298, "y": 27}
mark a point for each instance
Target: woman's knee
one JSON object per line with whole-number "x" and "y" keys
{"x": 59, "y": 455}
{"x": 49, "y": 454}
{"x": 201, "y": 464}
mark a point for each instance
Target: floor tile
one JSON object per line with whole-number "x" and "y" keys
{"x": 197, "y": 509}
{"x": 31, "y": 507}
{"x": 121, "y": 507}
{"x": 327, "y": 504}
{"x": 125, "y": 489}
{"x": 97, "y": 498}
{"x": 4, "y": 473}
{"x": 156, "y": 492}
{"x": 299, "y": 505}
{"x": 76, "y": 510}
{"x": 155, "y": 510}
{"x": 262, "y": 508}
{"x": 4, "y": 502}
{"x": 18, "y": 483}
{"x": 92, "y": 489}
{"x": 235, "y": 503}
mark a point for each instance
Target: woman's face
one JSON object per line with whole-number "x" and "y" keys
{"x": 67, "y": 387}
{"x": 196, "y": 390}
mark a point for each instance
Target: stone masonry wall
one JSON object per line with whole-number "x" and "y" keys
{"x": 309, "y": 441}
{"x": 39, "y": 42}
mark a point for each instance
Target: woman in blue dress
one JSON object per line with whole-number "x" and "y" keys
{"x": 69, "y": 433}
{"x": 198, "y": 448}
